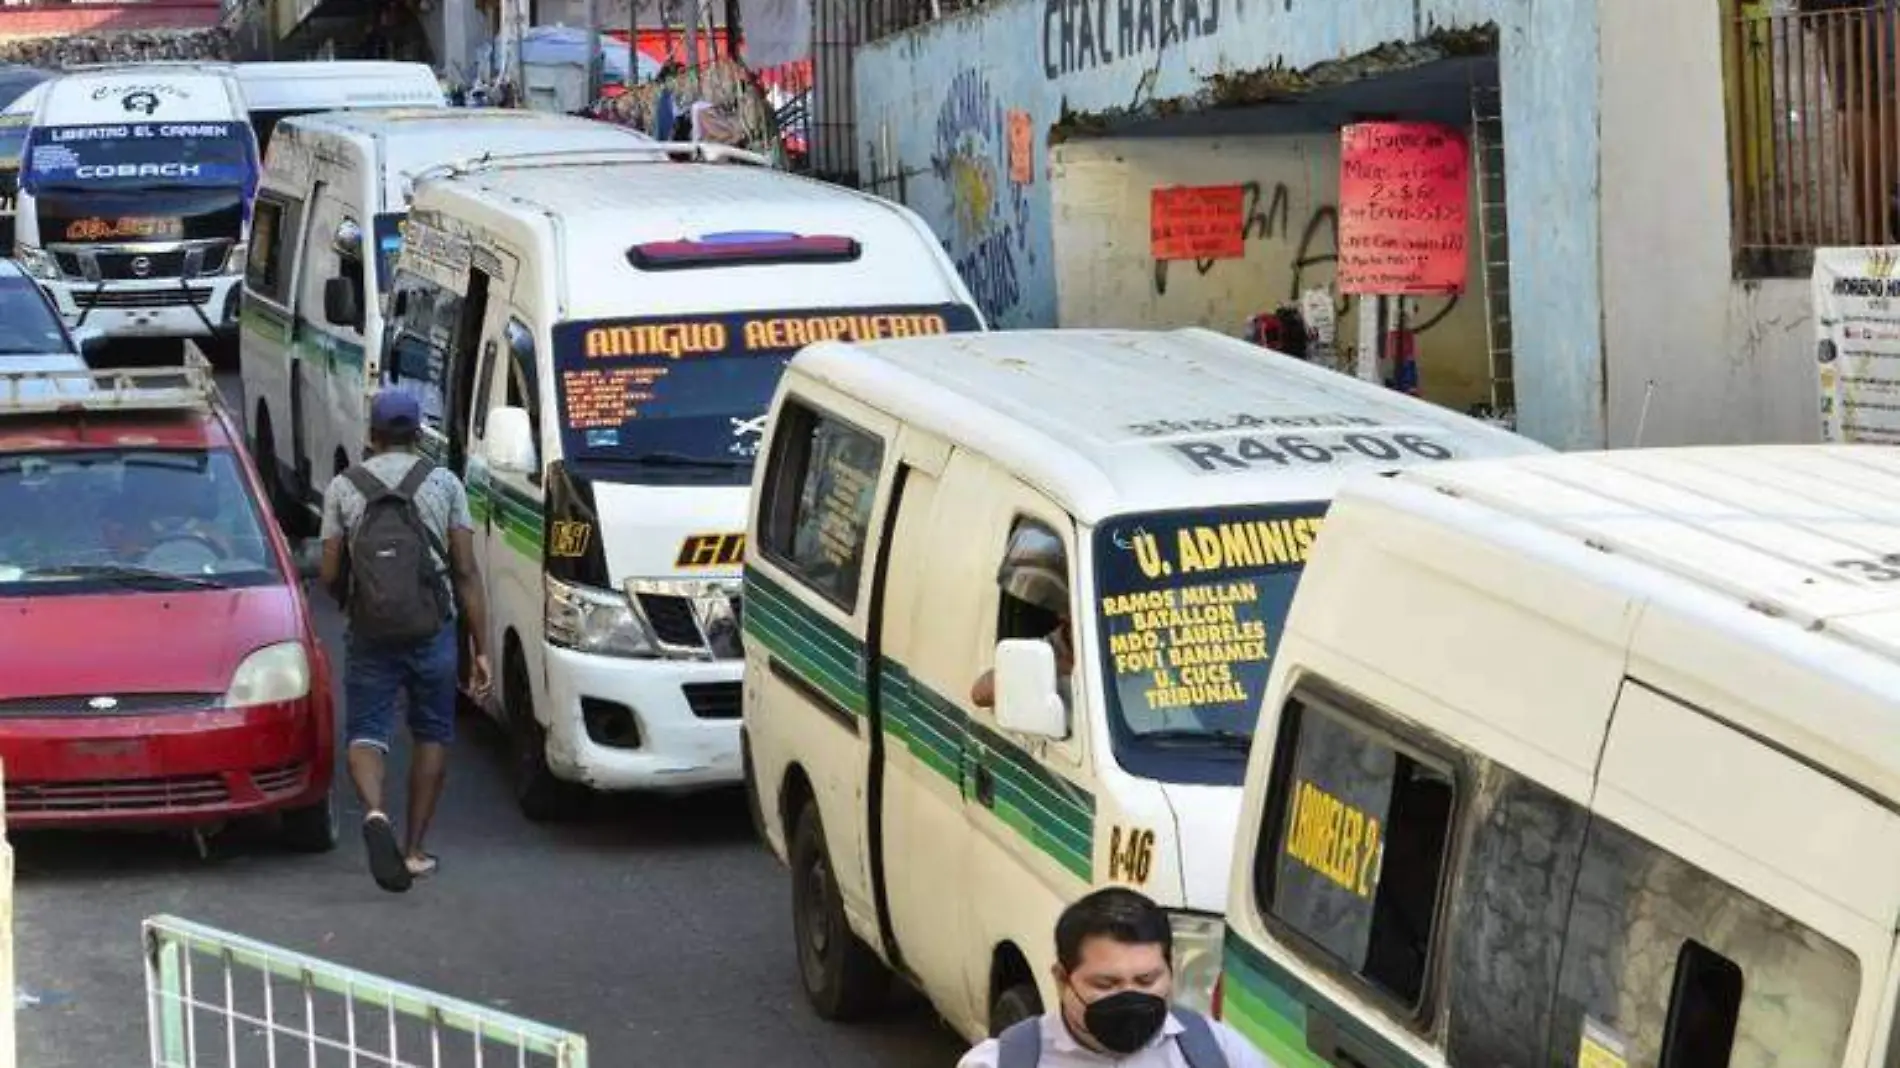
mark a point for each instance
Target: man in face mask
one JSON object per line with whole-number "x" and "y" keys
{"x": 1113, "y": 978}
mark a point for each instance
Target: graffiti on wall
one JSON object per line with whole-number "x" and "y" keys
{"x": 987, "y": 233}
{"x": 1266, "y": 219}
{"x": 1081, "y": 35}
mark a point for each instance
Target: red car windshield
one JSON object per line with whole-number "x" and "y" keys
{"x": 161, "y": 519}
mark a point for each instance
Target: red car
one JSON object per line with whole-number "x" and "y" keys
{"x": 158, "y": 667}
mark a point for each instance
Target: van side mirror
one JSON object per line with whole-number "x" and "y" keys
{"x": 340, "y": 306}
{"x": 90, "y": 339}
{"x": 308, "y": 556}
{"x": 1027, "y": 699}
{"x": 509, "y": 438}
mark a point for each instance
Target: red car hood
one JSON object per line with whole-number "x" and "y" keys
{"x": 118, "y": 643}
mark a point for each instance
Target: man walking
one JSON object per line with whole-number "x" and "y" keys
{"x": 1113, "y": 972}
{"x": 396, "y": 537}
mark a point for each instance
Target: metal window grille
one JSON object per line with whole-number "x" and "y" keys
{"x": 221, "y": 1000}
{"x": 823, "y": 115}
{"x": 1814, "y": 152}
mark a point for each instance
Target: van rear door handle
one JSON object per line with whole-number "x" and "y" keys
{"x": 985, "y": 786}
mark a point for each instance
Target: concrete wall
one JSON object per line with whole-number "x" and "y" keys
{"x": 1105, "y": 275}
{"x": 1729, "y": 361}
{"x": 932, "y": 107}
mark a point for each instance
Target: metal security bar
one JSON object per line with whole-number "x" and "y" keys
{"x": 220, "y": 1000}
{"x": 1814, "y": 148}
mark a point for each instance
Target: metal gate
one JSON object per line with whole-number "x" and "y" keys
{"x": 221, "y": 1000}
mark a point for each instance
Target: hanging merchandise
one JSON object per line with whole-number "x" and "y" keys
{"x": 1322, "y": 329}
{"x": 1283, "y": 330}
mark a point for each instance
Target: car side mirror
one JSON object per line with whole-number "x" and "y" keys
{"x": 1027, "y": 699}
{"x": 509, "y": 438}
{"x": 339, "y": 302}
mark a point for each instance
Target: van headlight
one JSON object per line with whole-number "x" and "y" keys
{"x": 591, "y": 620}
{"x": 1197, "y": 958}
{"x": 271, "y": 675}
{"x": 37, "y": 262}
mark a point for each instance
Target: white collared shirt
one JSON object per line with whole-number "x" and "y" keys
{"x": 1061, "y": 1050}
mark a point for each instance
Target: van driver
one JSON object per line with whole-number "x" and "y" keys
{"x": 1035, "y": 572}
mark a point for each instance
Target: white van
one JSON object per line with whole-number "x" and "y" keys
{"x": 1157, "y": 490}
{"x": 603, "y": 337}
{"x": 1588, "y": 759}
{"x": 277, "y": 91}
{"x": 133, "y": 195}
{"x": 328, "y": 224}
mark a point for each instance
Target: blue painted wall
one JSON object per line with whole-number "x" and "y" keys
{"x": 933, "y": 106}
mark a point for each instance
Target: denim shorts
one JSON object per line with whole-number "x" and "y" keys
{"x": 377, "y": 679}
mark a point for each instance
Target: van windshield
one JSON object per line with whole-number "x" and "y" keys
{"x": 1191, "y": 605}
{"x": 140, "y": 155}
{"x": 688, "y": 393}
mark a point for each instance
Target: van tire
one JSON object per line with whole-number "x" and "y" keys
{"x": 541, "y": 796}
{"x": 264, "y": 455}
{"x": 843, "y": 978}
{"x": 753, "y": 807}
{"x": 1013, "y": 1005}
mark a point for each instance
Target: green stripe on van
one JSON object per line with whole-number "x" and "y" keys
{"x": 1269, "y": 1006}
{"x": 515, "y": 514}
{"x": 821, "y": 653}
{"x": 335, "y": 354}
{"x": 1046, "y": 810}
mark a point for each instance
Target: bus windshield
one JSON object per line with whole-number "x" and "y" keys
{"x": 139, "y": 155}
{"x": 1190, "y": 606}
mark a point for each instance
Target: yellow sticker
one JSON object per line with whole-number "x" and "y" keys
{"x": 1333, "y": 838}
{"x": 1131, "y": 854}
{"x": 1601, "y": 1047}
{"x": 711, "y": 550}
{"x": 570, "y": 538}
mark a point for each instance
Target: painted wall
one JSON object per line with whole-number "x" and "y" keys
{"x": 934, "y": 98}
{"x": 1716, "y": 361}
{"x": 1105, "y": 275}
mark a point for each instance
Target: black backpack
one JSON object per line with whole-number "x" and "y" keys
{"x": 397, "y": 593}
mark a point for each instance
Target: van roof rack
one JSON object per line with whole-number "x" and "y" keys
{"x": 192, "y": 387}
{"x": 644, "y": 152}
{"x": 199, "y": 64}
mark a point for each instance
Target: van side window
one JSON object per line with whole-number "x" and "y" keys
{"x": 274, "y": 225}
{"x": 1352, "y": 857}
{"x": 421, "y": 331}
{"x": 1032, "y": 543}
{"x": 522, "y": 390}
{"x": 820, "y": 487}
{"x": 1504, "y": 938}
{"x": 1684, "y": 970}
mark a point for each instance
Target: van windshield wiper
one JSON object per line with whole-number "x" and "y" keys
{"x": 1208, "y": 737}
{"x": 680, "y": 459}
{"x": 128, "y": 575}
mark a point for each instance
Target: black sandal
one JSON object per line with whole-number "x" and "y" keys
{"x": 386, "y": 861}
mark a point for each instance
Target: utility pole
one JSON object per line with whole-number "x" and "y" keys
{"x": 593, "y": 51}
{"x": 692, "y": 44}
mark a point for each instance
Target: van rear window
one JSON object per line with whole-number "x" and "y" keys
{"x": 743, "y": 248}
{"x": 689, "y": 392}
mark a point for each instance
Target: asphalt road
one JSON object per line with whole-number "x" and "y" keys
{"x": 660, "y": 929}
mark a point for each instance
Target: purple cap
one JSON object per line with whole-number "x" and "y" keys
{"x": 394, "y": 409}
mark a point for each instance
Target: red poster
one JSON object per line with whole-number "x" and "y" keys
{"x": 1404, "y": 208}
{"x": 1022, "y": 149}
{"x": 1196, "y": 222}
